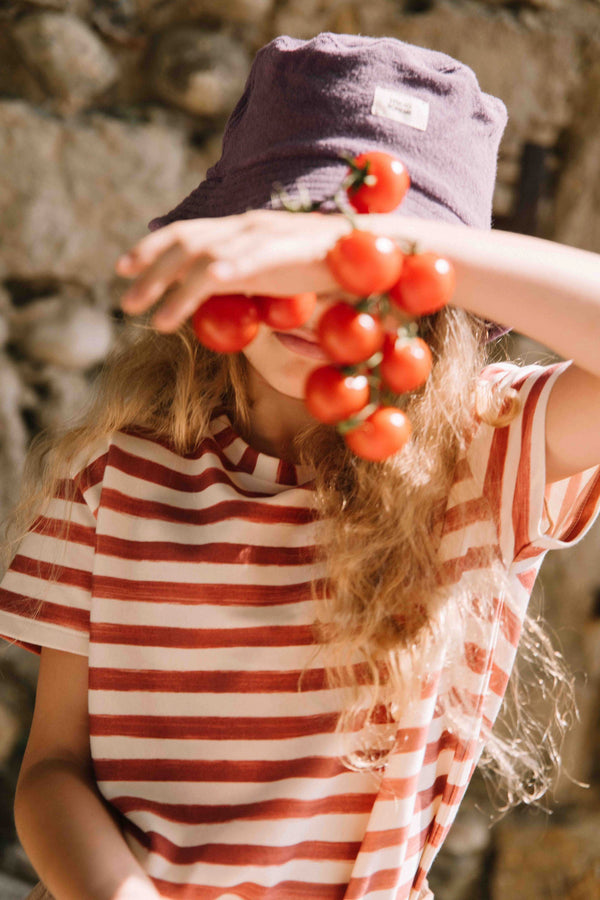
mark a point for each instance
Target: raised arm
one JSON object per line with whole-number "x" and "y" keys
{"x": 547, "y": 291}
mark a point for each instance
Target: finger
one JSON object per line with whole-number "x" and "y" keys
{"x": 127, "y": 266}
{"x": 146, "y": 251}
{"x": 194, "y": 235}
{"x": 152, "y": 284}
{"x": 184, "y": 301}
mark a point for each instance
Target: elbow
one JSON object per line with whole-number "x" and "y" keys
{"x": 33, "y": 782}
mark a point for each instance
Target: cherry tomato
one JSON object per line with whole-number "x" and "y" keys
{"x": 382, "y": 434}
{"x": 332, "y": 396}
{"x": 365, "y": 263}
{"x": 226, "y": 322}
{"x": 347, "y": 335}
{"x": 426, "y": 284}
{"x": 283, "y": 313}
{"x": 406, "y": 363}
{"x": 389, "y": 190}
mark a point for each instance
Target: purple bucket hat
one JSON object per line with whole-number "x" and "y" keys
{"x": 306, "y": 104}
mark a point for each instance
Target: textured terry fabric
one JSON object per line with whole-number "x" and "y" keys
{"x": 186, "y": 582}
{"x": 306, "y": 103}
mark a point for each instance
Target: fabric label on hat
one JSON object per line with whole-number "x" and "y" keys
{"x": 401, "y": 107}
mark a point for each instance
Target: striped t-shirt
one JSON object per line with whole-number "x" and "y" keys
{"x": 186, "y": 581}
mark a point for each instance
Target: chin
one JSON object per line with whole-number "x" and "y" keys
{"x": 292, "y": 389}
{"x": 281, "y": 371}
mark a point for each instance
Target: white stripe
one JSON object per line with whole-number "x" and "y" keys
{"x": 196, "y": 572}
{"x": 200, "y": 615}
{"x": 266, "y": 832}
{"x": 212, "y": 875}
{"x": 269, "y": 659}
{"x": 63, "y": 595}
{"x": 115, "y": 747}
{"x": 262, "y": 706}
{"x": 217, "y": 793}
{"x": 47, "y": 549}
{"x": 228, "y": 531}
{"x": 196, "y": 496}
{"x": 478, "y": 535}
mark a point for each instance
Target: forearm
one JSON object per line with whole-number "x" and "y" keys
{"x": 542, "y": 289}
{"x": 71, "y": 838}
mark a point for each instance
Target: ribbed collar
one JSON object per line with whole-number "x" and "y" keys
{"x": 254, "y": 462}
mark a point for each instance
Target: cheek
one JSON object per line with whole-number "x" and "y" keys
{"x": 282, "y": 369}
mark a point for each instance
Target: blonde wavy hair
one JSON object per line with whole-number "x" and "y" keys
{"x": 385, "y": 607}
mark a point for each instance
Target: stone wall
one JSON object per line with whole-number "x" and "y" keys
{"x": 110, "y": 112}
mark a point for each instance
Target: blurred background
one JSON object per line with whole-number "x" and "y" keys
{"x": 110, "y": 112}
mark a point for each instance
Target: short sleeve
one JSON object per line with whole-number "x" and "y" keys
{"x": 45, "y": 595}
{"x": 534, "y": 517}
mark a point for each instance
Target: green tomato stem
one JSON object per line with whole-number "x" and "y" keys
{"x": 373, "y": 361}
{"x": 357, "y": 419}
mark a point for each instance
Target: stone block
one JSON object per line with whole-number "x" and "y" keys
{"x": 13, "y": 888}
{"x": 201, "y": 72}
{"x": 534, "y": 74}
{"x": 505, "y": 196}
{"x": 76, "y": 194}
{"x": 548, "y": 860}
{"x": 156, "y": 15}
{"x": 10, "y": 730}
{"x": 13, "y": 433}
{"x": 305, "y": 18}
{"x": 5, "y": 314}
{"x": 15, "y": 862}
{"x": 16, "y": 77}
{"x": 534, "y": 4}
{"x": 568, "y": 585}
{"x": 69, "y": 334}
{"x": 21, "y": 664}
{"x": 577, "y": 207}
{"x": 70, "y": 60}
{"x": 78, "y": 7}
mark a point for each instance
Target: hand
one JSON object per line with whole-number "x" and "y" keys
{"x": 271, "y": 252}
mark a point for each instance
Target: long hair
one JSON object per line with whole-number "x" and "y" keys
{"x": 385, "y": 609}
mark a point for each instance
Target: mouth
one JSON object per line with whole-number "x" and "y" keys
{"x": 304, "y": 343}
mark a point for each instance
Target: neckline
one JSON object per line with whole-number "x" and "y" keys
{"x": 261, "y": 465}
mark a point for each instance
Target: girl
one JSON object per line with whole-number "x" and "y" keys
{"x": 268, "y": 667}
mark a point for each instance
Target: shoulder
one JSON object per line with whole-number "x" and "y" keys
{"x": 510, "y": 433}
{"x": 124, "y": 460}
{"x": 91, "y": 462}
{"x": 520, "y": 377}
{"x": 107, "y": 458}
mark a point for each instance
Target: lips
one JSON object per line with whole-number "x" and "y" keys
{"x": 305, "y": 334}
{"x": 303, "y": 342}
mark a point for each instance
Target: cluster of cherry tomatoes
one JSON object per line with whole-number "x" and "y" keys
{"x": 368, "y": 358}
